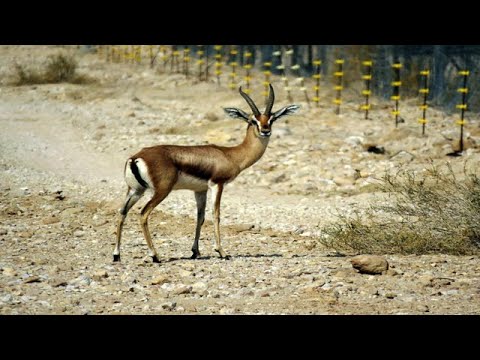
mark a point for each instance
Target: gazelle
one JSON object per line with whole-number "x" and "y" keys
{"x": 164, "y": 168}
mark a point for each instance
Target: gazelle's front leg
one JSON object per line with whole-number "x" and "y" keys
{"x": 217, "y": 190}
{"x": 201, "y": 199}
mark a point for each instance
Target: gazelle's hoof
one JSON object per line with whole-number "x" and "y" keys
{"x": 116, "y": 258}
{"x": 195, "y": 255}
{"x": 155, "y": 259}
{"x": 223, "y": 255}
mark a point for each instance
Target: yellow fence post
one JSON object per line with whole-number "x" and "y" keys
{"x": 317, "y": 63}
{"x": 200, "y": 61}
{"x": 218, "y": 62}
{"x": 301, "y": 81}
{"x": 247, "y": 66}
{"x": 165, "y": 57}
{"x": 338, "y": 87}
{"x": 186, "y": 60}
{"x": 424, "y": 91}
{"x": 463, "y": 106}
{"x": 396, "y": 91}
{"x": 367, "y": 77}
{"x": 233, "y": 63}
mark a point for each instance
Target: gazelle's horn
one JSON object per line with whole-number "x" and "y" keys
{"x": 271, "y": 99}
{"x": 250, "y": 102}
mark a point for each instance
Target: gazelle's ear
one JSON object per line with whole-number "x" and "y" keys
{"x": 236, "y": 113}
{"x": 287, "y": 110}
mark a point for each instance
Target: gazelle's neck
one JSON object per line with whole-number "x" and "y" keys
{"x": 250, "y": 150}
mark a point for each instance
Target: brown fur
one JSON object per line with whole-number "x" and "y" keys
{"x": 171, "y": 167}
{"x": 219, "y": 164}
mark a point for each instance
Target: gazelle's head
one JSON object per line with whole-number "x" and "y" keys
{"x": 262, "y": 122}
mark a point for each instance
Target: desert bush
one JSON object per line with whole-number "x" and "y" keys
{"x": 436, "y": 213}
{"x": 56, "y": 69}
{"x": 60, "y": 68}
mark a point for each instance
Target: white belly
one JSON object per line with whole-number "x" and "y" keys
{"x": 190, "y": 183}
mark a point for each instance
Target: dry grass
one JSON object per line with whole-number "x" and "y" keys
{"x": 56, "y": 69}
{"x": 437, "y": 213}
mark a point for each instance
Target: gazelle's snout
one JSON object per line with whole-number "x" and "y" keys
{"x": 265, "y": 131}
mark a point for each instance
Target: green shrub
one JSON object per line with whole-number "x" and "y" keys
{"x": 434, "y": 214}
{"x": 57, "y": 69}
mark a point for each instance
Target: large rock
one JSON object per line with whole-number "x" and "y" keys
{"x": 369, "y": 264}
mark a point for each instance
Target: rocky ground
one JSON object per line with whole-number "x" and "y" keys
{"x": 62, "y": 151}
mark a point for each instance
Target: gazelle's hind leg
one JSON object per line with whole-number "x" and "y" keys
{"x": 133, "y": 195}
{"x": 160, "y": 194}
{"x": 201, "y": 199}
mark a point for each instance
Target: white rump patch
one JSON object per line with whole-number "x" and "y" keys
{"x": 143, "y": 172}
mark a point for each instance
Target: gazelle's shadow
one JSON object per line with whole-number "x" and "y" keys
{"x": 246, "y": 256}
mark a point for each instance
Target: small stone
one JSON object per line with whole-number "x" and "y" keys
{"x": 370, "y": 264}
{"x": 245, "y": 292}
{"x": 58, "y": 282}
{"x": 50, "y": 220}
{"x": 169, "y": 306}
{"x": 403, "y": 157}
{"x": 425, "y": 280}
{"x": 25, "y": 234}
{"x": 7, "y": 299}
{"x": 8, "y": 271}
{"x": 160, "y": 280}
{"x": 342, "y": 181}
{"x": 13, "y": 210}
{"x": 98, "y": 136}
{"x": 78, "y": 233}
{"x": 226, "y": 311}
{"x": 182, "y": 289}
{"x": 373, "y": 291}
{"x": 314, "y": 288}
{"x": 184, "y": 273}
{"x": 390, "y": 295}
{"x": 262, "y": 293}
{"x": 423, "y": 308}
{"x": 32, "y": 279}
{"x": 392, "y": 272}
{"x": 354, "y": 140}
{"x": 309, "y": 245}
{"x": 280, "y": 178}
{"x": 3, "y": 231}
{"x": 199, "y": 287}
{"x": 440, "y": 282}
{"x": 99, "y": 275}
{"x": 242, "y": 227}
{"x": 299, "y": 230}
{"x": 375, "y": 149}
{"x": 71, "y": 211}
{"x": 342, "y": 274}
{"x": 82, "y": 280}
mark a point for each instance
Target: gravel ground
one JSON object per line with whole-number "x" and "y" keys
{"x": 62, "y": 151}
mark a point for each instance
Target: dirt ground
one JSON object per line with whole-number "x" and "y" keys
{"x": 62, "y": 152}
